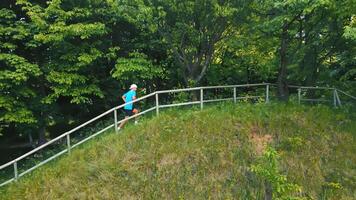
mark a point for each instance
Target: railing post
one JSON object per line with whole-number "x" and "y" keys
{"x": 334, "y": 95}
{"x": 16, "y": 174}
{"x": 299, "y": 95}
{"x": 267, "y": 93}
{"x": 115, "y": 121}
{"x": 338, "y": 98}
{"x": 68, "y": 143}
{"x": 234, "y": 94}
{"x": 157, "y": 104}
{"x": 201, "y": 98}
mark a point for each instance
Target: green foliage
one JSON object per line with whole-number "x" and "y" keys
{"x": 314, "y": 43}
{"x": 268, "y": 169}
{"x": 16, "y": 72}
{"x": 193, "y": 29}
{"x": 59, "y": 58}
{"x": 78, "y": 53}
{"x": 61, "y": 53}
{"x": 136, "y": 68}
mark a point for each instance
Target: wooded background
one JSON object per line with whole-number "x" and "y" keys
{"x": 65, "y": 61}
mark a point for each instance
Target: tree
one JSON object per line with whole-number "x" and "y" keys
{"x": 62, "y": 49}
{"x": 142, "y": 55}
{"x": 245, "y": 57}
{"x": 281, "y": 19}
{"x": 193, "y": 29}
{"x": 17, "y": 71}
{"x": 137, "y": 68}
{"x": 74, "y": 45}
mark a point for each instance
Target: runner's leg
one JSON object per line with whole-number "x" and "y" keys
{"x": 123, "y": 122}
{"x": 135, "y": 111}
{"x": 127, "y": 115}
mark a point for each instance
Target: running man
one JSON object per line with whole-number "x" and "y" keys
{"x": 129, "y": 108}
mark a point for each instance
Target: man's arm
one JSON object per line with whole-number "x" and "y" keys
{"x": 124, "y": 98}
{"x": 134, "y": 96}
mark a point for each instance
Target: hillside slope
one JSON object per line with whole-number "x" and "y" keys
{"x": 192, "y": 154}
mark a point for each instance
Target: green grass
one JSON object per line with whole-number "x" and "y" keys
{"x": 194, "y": 154}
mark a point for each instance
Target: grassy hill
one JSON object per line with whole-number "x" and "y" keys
{"x": 217, "y": 153}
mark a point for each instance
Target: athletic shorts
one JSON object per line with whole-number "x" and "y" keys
{"x": 128, "y": 113}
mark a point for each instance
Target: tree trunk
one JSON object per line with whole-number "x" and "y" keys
{"x": 313, "y": 74}
{"x": 43, "y": 119}
{"x": 282, "y": 84}
{"x": 247, "y": 74}
{"x": 30, "y": 138}
{"x": 42, "y": 136}
{"x": 268, "y": 191}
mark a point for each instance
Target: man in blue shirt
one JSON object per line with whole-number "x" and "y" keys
{"x": 129, "y": 108}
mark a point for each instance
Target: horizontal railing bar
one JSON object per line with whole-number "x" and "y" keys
{"x": 215, "y": 100}
{"x": 6, "y": 165}
{"x": 82, "y": 125}
{"x": 321, "y": 88}
{"x": 321, "y": 100}
{"x": 43, "y": 162}
{"x": 111, "y": 110}
{"x": 57, "y": 138}
{"x": 178, "y": 90}
{"x": 6, "y": 182}
{"x": 249, "y": 97}
{"x": 71, "y": 131}
{"x": 90, "y": 121}
{"x": 92, "y": 136}
{"x": 233, "y": 86}
{"x": 34, "y": 150}
{"x": 310, "y": 87}
{"x": 210, "y": 87}
{"x": 138, "y": 114}
{"x": 179, "y": 104}
{"x": 207, "y": 101}
{"x": 344, "y": 102}
{"x": 349, "y": 95}
{"x": 136, "y": 100}
{"x": 66, "y": 150}
{"x": 316, "y": 87}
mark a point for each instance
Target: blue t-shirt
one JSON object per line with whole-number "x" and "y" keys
{"x": 129, "y": 97}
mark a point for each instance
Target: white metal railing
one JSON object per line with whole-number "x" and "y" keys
{"x": 336, "y": 101}
{"x": 67, "y": 135}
